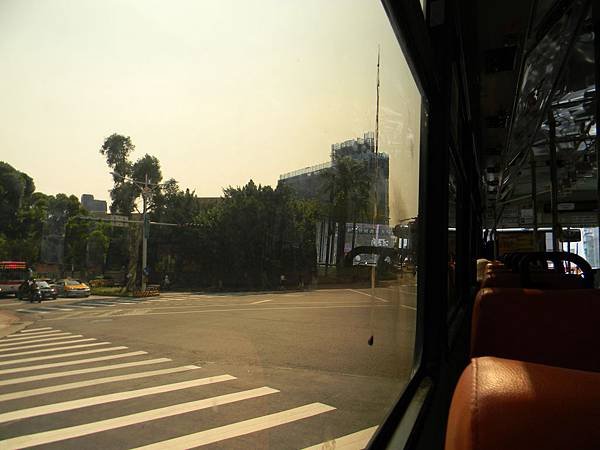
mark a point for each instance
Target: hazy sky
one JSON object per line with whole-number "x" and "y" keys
{"x": 219, "y": 91}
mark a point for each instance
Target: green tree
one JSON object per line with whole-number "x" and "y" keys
{"x": 125, "y": 193}
{"x": 348, "y": 185}
{"x": 255, "y": 234}
{"x": 16, "y": 189}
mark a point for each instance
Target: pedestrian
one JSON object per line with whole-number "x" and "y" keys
{"x": 282, "y": 282}
{"x": 166, "y": 282}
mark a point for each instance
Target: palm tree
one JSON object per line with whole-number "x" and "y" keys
{"x": 348, "y": 184}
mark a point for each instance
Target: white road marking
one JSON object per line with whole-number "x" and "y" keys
{"x": 33, "y": 334}
{"x": 97, "y": 381}
{"x": 261, "y": 301}
{"x": 61, "y": 434}
{"x": 33, "y": 330}
{"x": 33, "y": 311}
{"x": 6, "y": 344}
{"x": 51, "y": 308}
{"x": 22, "y": 347}
{"x": 108, "y": 398}
{"x": 46, "y": 350}
{"x": 48, "y": 376}
{"x": 133, "y": 313}
{"x": 45, "y": 336}
{"x": 62, "y": 355}
{"x": 112, "y": 312}
{"x": 240, "y": 428}
{"x": 383, "y": 300}
{"x": 354, "y": 441}
{"x": 99, "y": 304}
{"x": 11, "y": 304}
{"x": 368, "y": 295}
{"x": 70, "y": 363}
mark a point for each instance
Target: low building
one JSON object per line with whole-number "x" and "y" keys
{"x": 93, "y": 205}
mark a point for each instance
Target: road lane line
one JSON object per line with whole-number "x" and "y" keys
{"x": 369, "y": 295}
{"x": 261, "y": 301}
{"x": 46, "y": 336}
{"x": 21, "y": 347}
{"x": 62, "y": 355}
{"x": 68, "y": 373}
{"x": 383, "y": 300}
{"x": 46, "y": 350}
{"x": 108, "y": 398}
{"x": 47, "y": 437}
{"x": 34, "y": 330}
{"x": 32, "y": 311}
{"x": 240, "y": 428}
{"x": 6, "y": 344}
{"x": 151, "y": 312}
{"x": 11, "y": 304}
{"x": 70, "y": 363}
{"x": 94, "y": 382}
{"x": 354, "y": 441}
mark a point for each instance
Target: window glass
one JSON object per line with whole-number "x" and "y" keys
{"x": 249, "y": 172}
{"x": 452, "y": 232}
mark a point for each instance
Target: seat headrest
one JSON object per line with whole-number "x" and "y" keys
{"x": 502, "y": 404}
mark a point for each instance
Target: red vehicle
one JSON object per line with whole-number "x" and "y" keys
{"x": 12, "y": 275}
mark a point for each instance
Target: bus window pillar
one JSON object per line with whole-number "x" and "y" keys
{"x": 554, "y": 181}
{"x": 596, "y": 20}
{"x": 534, "y": 199}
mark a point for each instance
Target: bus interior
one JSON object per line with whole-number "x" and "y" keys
{"x": 506, "y": 348}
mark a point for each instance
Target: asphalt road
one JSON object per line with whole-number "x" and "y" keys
{"x": 273, "y": 370}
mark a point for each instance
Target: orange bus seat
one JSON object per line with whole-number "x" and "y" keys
{"x": 539, "y": 280}
{"x": 502, "y": 404}
{"x": 556, "y": 327}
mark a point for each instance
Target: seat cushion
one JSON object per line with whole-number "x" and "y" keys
{"x": 501, "y": 404}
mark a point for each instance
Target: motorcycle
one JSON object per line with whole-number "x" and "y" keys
{"x": 35, "y": 295}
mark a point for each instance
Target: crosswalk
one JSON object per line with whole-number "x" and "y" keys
{"x": 124, "y": 398}
{"x": 83, "y": 305}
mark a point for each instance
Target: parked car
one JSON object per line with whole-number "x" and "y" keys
{"x": 43, "y": 291}
{"x": 72, "y": 288}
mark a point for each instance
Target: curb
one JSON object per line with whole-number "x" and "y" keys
{"x": 11, "y": 323}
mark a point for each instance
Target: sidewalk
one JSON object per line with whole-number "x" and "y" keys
{"x": 10, "y": 323}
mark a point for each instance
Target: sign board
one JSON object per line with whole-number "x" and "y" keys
{"x": 573, "y": 235}
{"x": 566, "y": 206}
{"x": 515, "y": 242}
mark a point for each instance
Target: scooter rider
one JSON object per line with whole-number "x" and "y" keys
{"x": 32, "y": 291}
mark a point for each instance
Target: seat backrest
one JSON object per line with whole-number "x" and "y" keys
{"x": 500, "y": 404}
{"x": 541, "y": 280}
{"x": 556, "y": 327}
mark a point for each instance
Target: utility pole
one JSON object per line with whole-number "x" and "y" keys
{"x": 145, "y": 235}
{"x": 146, "y": 188}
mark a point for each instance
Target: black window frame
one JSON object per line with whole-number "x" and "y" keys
{"x": 408, "y": 21}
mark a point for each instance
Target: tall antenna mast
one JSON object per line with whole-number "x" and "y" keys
{"x": 377, "y": 106}
{"x": 373, "y": 268}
